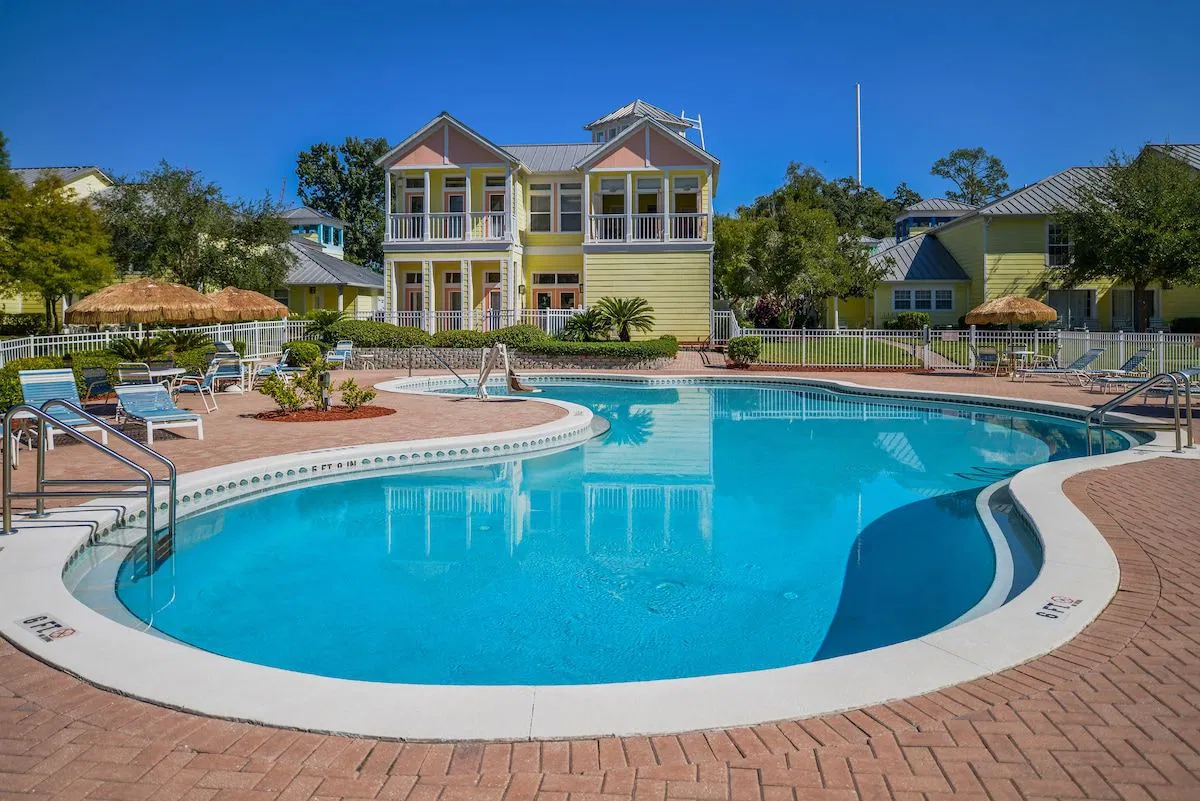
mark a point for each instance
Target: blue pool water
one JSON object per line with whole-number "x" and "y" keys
{"x": 710, "y": 530}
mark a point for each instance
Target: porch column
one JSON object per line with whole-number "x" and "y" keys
{"x": 391, "y": 291}
{"x": 425, "y": 208}
{"x": 341, "y": 298}
{"x": 628, "y": 206}
{"x": 387, "y": 207}
{"x": 468, "y": 309}
{"x": 666, "y": 205}
{"x": 509, "y": 206}
{"x": 506, "y": 287}
{"x": 427, "y": 292}
{"x": 467, "y": 208}
{"x": 708, "y": 211}
{"x": 587, "y": 208}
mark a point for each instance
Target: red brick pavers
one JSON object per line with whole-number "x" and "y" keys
{"x": 1113, "y": 715}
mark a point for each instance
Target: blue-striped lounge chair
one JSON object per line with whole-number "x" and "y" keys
{"x": 341, "y": 353}
{"x": 202, "y": 385}
{"x": 1131, "y": 372}
{"x": 1076, "y": 370}
{"x": 40, "y": 386}
{"x": 151, "y": 406}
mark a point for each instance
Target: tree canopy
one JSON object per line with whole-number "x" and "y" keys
{"x": 979, "y": 175}
{"x": 51, "y": 243}
{"x": 342, "y": 180}
{"x": 8, "y": 179}
{"x": 1135, "y": 222}
{"x": 173, "y": 224}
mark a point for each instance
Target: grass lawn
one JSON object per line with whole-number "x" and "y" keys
{"x": 838, "y": 351}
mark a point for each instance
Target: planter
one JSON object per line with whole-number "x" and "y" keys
{"x": 315, "y": 416}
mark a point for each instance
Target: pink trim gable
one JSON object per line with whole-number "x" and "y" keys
{"x": 631, "y": 153}
{"x": 427, "y": 152}
{"x": 464, "y": 150}
{"x": 447, "y": 145}
{"x": 665, "y": 152}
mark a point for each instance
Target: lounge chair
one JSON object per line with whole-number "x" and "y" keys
{"x": 281, "y": 368}
{"x": 40, "y": 386}
{"x": 151, "y": 405}
{"x": 1129, "y": 373}
{"x": 341, "y": 353}
{"x": 201, "y": 385}
{"x": 987, "y": 358}
{"x": 225, "y": 348}
{"x": 95, "y": 382}
{"x": 1077, "y": 369}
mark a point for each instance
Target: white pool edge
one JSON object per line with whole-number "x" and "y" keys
{"x": 1078, "y": 565}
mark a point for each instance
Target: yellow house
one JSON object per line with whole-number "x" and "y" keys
{"x": 81, "y": 183}
{"x": 321, "y": 278}
{"x": 481, "y": 235}
{"x": 1006, "y": 247}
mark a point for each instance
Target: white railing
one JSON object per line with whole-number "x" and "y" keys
{"x": 549, "y": 320}
{"x": 406, "y": 227}
{"x": 647, "y": 227}
{"x": 689, "y": 227}
{"x": 447, "y": 226}
{"x": 448, "y": 321}
{"x": 724, "y": 326}
{"x": 262, "y": 339}
{"x": 608, "y": 227}
{"x": 489, "y": 225}
{"x": 483, "y": 226}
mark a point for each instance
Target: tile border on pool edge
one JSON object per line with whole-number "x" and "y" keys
{"x": 1079, "y": 566}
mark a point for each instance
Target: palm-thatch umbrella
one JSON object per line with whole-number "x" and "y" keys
{"x": 146, "y": 300}
{"x": 246, "y": 304}
{"x": 1011, "y": 310}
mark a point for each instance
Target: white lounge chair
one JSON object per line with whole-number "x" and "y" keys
{"x": 341, "y": 353}
{"x": 1130, "y": 373}
{"x": 40, "y": 386}
{"x": 151, "y": 405}
{"x": 203, "y": 385}
{"x": 1077, "y": 369}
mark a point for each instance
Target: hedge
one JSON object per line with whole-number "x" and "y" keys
{"x": 744, "y": 351}
{"x": 21, "y": 325}
{"x": 662, "y": 348}
{"x": 465, "y": 338}
{"x": 302, "y": 352}
{"x": 519, "y": 337}
{"x": 1185, "y": 325}
{"x": 371, "y": 334}
{"x": 10, "y": 382}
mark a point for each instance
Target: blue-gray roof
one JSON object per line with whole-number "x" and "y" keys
{"x": 302, "y": 215}
{"x": 1186, "y": 153}
{"x": 552, "y": 158}
{"x": 640, "y": 108}
{"x": 68, "y": 174}
{"x": 315, "y": 266}
{"x": 939, "y": 204}
{"x": 919, "y": 258}
{"x": 1044, "y": 196}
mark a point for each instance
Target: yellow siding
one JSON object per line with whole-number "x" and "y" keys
{"x": 965, "y": 243}
{"x": 22, "y": 303}
{"x": 851, "y": 312}
{"x": 675, "y": 284}
{"x": 962, "y": 292}
{"x": 1181, "y": 302}
{"x": 519, "y": 189}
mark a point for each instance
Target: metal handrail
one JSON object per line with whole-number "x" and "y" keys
{"x": 45, "y": 419}
{"x": 1176, "y": 378}
{"x": 436, "y": 358}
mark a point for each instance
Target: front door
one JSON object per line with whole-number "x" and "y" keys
{"x": 414, "y": 227}
{"x": 456, "y": 204}
{"x": 494, "y": 225}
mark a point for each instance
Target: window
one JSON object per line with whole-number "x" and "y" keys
{"x": 493, "y": 180}
{"x": 612, "y": 195}
{"x": 414, "y": 183}
{"x": 414, "y": 278}
{"x": 555, "y": 278}
{"x": 453, "y": 278}
{"x": 570, "y": 207}
{"x": 932, "y": 299}
{"x": 326, "y": 234}
{"x": 689, "y": 183}
{"x": 902, "y": 299}
{"x": 280, "y": 295}
{"x": 943, "y": 299}
{"x": 1058, "y": 248}
{"x": 491, "y": 278}
{"x": 923, "y": 299}
{"x": 539, "y": 207}
{"x": 456, "y": 182}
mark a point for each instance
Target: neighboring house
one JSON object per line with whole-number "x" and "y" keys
{"x": 1006, "y": 247}
{"x": 926, "y": 214}
{"x": 325, "y": 230}
{"x": 321, "y": 280}
{"x": 481, "y": 234}
{"x": 82, "y": 182}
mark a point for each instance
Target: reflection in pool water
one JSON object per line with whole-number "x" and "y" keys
{"x": 711, "y": 530}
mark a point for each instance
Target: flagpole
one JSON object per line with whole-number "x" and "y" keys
{"x": 858, "y": 128}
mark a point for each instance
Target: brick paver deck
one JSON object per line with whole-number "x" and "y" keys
{"x": 1113, "y": 715}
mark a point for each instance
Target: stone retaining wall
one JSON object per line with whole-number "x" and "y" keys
{"x": 470, "y": 359}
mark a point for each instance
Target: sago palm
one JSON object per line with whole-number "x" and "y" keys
{"x": 320, "y": 321}
{"x": 586, "y": 326}
{"x": 132, "y": 349}
{"x": 627, "y": 314}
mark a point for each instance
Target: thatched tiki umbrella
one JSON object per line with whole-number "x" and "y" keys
{"x": 246, "y": 304}
{"x": 146, "y": 300}
{"x": 1011, "y": 310}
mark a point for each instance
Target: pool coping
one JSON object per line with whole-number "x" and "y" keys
{"x": 1078, "y": 579}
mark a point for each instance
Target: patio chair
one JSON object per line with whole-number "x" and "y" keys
{"x": 203, "y": 385}
{"x": 40, "y": 386}
{"x": 95, "y": 382}
{"x": 987, "y": 357}
{"x": 1077, "y": 369}
{"x": 133, "y": 373}
{"x": 341, "y": 353}
{"x": 1131, "y": 372}
{"x": 281, "y": 368}
{"x": 225, "y": 348}
{"x": 151, "y": 406}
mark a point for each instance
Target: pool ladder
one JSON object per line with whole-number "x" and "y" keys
{"x": 1177, "y": 382}
{"x": 437, "y": 359}
{"x": 158, "y": 549}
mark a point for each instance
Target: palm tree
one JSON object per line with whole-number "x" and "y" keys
{"x": 625, "y": 314}
{"x": 586, "y": 326}
{"x": 320, "y": 321}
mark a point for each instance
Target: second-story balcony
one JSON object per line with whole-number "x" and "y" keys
{"x": 678, "y": 227}
{"x": 475, "y": 226}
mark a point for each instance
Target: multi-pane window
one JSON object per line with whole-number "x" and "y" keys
{"x": 612, "y": 195}
{"x": 923, "y": 299}
{"x": 493, "y": 180}
{"x": 902, "y": 299}
{"x": 414, "y": 183}
{"x": 540, "y": 212}
{"x": 1058, "y": 246}
{"x": 943, "y": 299}
{"x": 491, "y": 278}
{"x": 555, "y": 278}
{"x": 456, "y": 182}
{"x": 413, "y": 278}
{"x": 570, "y": 207}
{"x": 453, "y": 278}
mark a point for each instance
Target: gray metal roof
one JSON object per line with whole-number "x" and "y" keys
{"x": 919, "y": 258}
{"x": 639, "y": 108}
{"x": 68, "y": 174}
{"x": 940, "y": 204}
{"x": 1186, "y": 153}
{"x": 306, "y": 214}
{"x": 1044, "y": 196}
{"x": 552, "y": 158}
{"x": 315, "y": 266}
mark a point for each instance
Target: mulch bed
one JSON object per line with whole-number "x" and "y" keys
{"x": 334, "y": 413}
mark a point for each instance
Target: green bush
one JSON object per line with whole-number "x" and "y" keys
{"x": 1185, "y": 325}
{"x": 371, "y": 334}
{"x": 353, "y": 395}
{"x": 195, "y": 360}
{"x": 303, "y": 352}
{"x": 186, "y": 340}
{"x": 464, "y": 338}
{"x": 744, "y": 351}
{"x": 135, "y": 349}
{"x": 21, "y": 325}
{"x": 519, "y": 336}
{"x": 240, "y": 346}
{"x": 10, "y": 382}
{"x": 282, "y": 392}
{"x": 908, "y": 321}
{"x": 586, "y": 326}
{"x": 663, "y": 347}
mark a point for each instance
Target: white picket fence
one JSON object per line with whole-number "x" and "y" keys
{"x": 261, "y": 338}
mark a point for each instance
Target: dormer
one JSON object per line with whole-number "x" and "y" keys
{"x": 926, "y": 214}
{"x": 324, "y": 229}
{"x": 611, "y": 125}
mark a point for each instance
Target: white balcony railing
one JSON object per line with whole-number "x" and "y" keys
{"x": 689, "y": 227}
{"x": 489, "y": 225}
{"x": 482, "y": 226}
{"x": 404, "y": 227}
{"x": 446, "y": 226}
{"x": 647, "y": 227}
{"x": 608, "y": 227}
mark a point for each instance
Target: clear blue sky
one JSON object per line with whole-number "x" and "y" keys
{"x": 236, "y": 89}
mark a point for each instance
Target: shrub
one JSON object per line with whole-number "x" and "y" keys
{"x": 185, "y": 340}
{"x": 134, "y": 349}
{"x": 908, "y": 321}
{"x": 464, "y": 338}
{"x": 371, "y": 334}
{"x": 322, "y": 322}
{"x": 353, "y": 395}
{"x": 519, "y": 336}
{"x": 663, "y": 347}
{"x": 195, "y": 360}
{"x": 1185, "y": 325}
{"x": 302, "y": 352}
{"x": 240, "y": 346}
{"x": 588, "y": 326}
{"x": 744, "y": 351}
{"x": 282, "y": 392}
{"x": 312, "y": 385}
{"x": 626, "y": 314}
{"x": 10, "y": 382}
{"x": 766, "y": 313}
{"x": 21, "y": 325}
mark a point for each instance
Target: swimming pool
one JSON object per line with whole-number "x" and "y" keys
{"x": 713, "y": 529}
